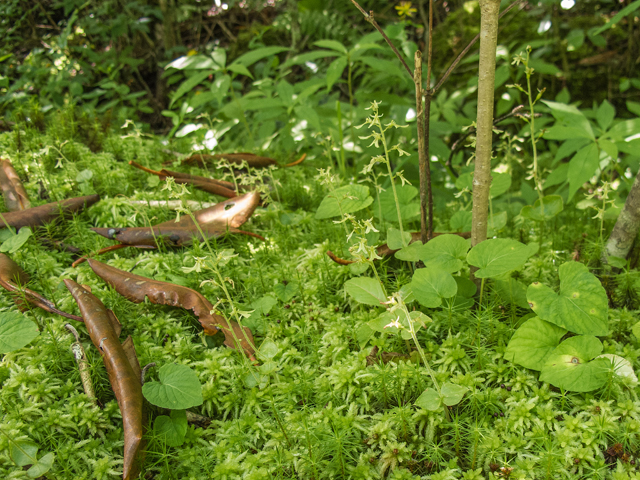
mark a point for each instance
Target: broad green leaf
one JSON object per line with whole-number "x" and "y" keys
{"x": 580, "y": 307}
{"x": 558, "y": 176}
{"x": 495, "y": 223}
{"x": 332, "y": 44}
{"x": 409, "y": 209}
{"x": 189, "y": 84}
{"x": 286, "y": 292}
{"x": 582, "y": 167}
{"x": 512, "y": 291}
{"x": 14, "y": 243}
{"x": 16, "y": 331}
{"x": 624, "y": 129}
{"x": 430, "y": 285}
{"x": 221, "y": 86}
{"x": 84, "y": 175}
{"x": 569, "y": 147}
{"x": 533, "y": 342}
{"x": 560, "y": 132}
{"x": 570, "y": 116}
{"x": 335, "y": 70}
{"x": 410, "y": 253}
{"x": 465, "y": 181}
{"x": 42, "y": 466}
{"x": 268, "y": 350}
{"x": 363, "y": 334}
{"x": 264, "y": 305}
{"x": 378, "y": 323}
{"x": 500, "y": 183}
{"x": 305, "y": 112}
{"x": 461, "y": 221}
{"x": 466, "y": 288}
{"x": 240, "y": 69}
{"x": 498, "y": 256}
{"x": 285, "y": 92}
{"x": 445, "y": 252}
{"x": 219, "y": 55}
{"x": 172, "y": 429}
{"x": 365, "y": 290}
{"x": 254, "y": 56}
{"x": 636, "y": 330}
{"x": 568, "y": 366}
{"x": 429, "y": 400}
{"x": 605, "y": 115}
{"x": 609, "y": 148}
{"x": 620, "y": 366}
{"x": 23, "y": 452}
{"x": 552, "y": 205}
{"x": 452, "y": 394}
{"x": 395, "y": 239}
{"x": 177, "y": 388}
{"x": 347, "y": 199}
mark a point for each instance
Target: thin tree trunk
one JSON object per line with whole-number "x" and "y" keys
{"x": 627, "y": 226}
{"x": 489, "y": 10}
{"x": 422, "y": 153}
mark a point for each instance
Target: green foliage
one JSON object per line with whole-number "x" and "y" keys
{"x": 16, "y": 331}
{"x": 177, "y": 388}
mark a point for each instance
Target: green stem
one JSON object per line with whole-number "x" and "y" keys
{"x": 393, "y": 184}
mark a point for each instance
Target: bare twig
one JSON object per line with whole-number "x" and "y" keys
{"x": 83, "y": 364}
{"x": 422, "y": 154}
{"x": 461, "y": 55}
{"x": 144, "y": 371}
{"x": 426, "y": 172}
{"x": 369, "y": 17}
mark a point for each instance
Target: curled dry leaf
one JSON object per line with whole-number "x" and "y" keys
{"x": 213, "y": 222}
{"x": 211, "y": 185}
{"x": 385, "y": 251}
{"x": 124, "y": 378}
{"x": 135, "y": 288}
{"x": 254, "y": 161}
{"x": 12, "y": 278}
{"x": 13, "y": 192}
{"x": 36, "y": 216}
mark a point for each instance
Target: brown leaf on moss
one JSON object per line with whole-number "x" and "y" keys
{"x": 135, "y": 288}
{"x": 13, "y": 192}
{"x": 385, "y": 357}
{"x": 13, "y": 279}
{"x": 124, "y": 380}
{"x": 36, "y": 216}
{"x": 211, "y": 185}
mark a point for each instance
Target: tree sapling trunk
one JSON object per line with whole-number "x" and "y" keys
{"x": 489, "y": 10}
{"x": 627, "y": 226}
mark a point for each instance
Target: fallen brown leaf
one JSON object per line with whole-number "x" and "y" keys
{"x": 36, "y": 216}
{"x": 13, "y": 192}
{"x": 123, "y": 377}
{"x": 254, "y": 161}
{"x": 13, "y": 279}
{"x": 135, "y": 288}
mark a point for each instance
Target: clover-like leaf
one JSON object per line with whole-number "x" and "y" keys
{"x": 429, "y": 400}
{"x": 177, "y": 388}
{"x": 533, "y": 342}
{"x": 498, "y": 256}
{"x": 569, "y": 366}
{"x": 445, "y": 252}
{"x": 581, "y": 306}
{"x": 452, "y": 394}
{"x": 431, "y": 285}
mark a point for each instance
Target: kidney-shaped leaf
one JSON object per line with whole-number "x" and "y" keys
{"x": 429, "y": 400}
{"x": 177, "y": 388}
{"x": 172, "y": 429}
{"x": 498, "y": 256}
{"x": 533, "y": 342}
{"x": 551, "y": 206}
{"x": 568, "y": 367}
{"x": 452, "y": 394}
{"x": 347, "y": 199}
{"x": 445, "y": 252}
{"x": 16, "y": 331}
{"x": 580, "y": 307}
{"x": 365, "y": 290}
{"x": 431, "y": 285}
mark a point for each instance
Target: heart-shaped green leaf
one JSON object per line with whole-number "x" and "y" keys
{"x": 580, "y": 307}
{"x": 286, "y": 292}
{"x": 552, "y": 205}
{"x": 365, "y": 290}
{"x": 500, "y": 183}
{"x": 347, "y": 199}
{"x": 533, "y": 342}
{"x": 13, "y": 244}
{"x": 16, "y": 331}
{"x": 445, "y": 252}
{"x": 177, "y": 388}
{"x": 498, "y": 256}
{"x": 23, "y": 452}
{"x": 172, "y": 429}
{"x": 568, "y": 366}
{"x": 410, "y": 253}
{"x": 452, "y": 394}
{"x": 409, "y": 207}
{"x": 42, "y": 466}
{"x": 396, "y": 240}
{"x": 429, "y": 400}
{"x": 431, "y": 285}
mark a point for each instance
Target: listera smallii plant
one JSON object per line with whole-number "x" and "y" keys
{"x": 374, "y": 124}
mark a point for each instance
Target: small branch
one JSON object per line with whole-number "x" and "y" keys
{"x": 467, "y": 48}
{"x": 369, "y": 17}
{"x": 422, "y": 154}
{"x": 144, "y": 371}
{"x": 83, "y": 364}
